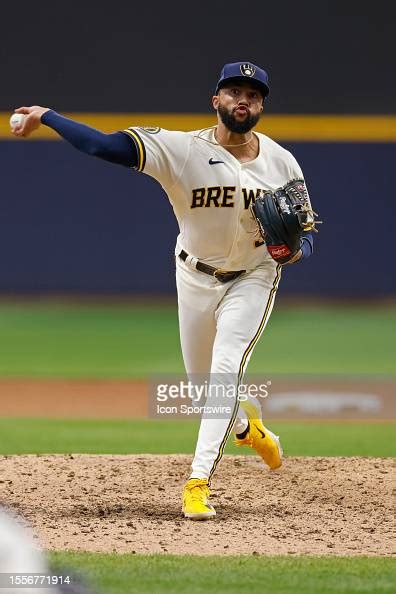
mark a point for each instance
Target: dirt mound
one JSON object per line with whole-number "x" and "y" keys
{"x": 340, "y": 506}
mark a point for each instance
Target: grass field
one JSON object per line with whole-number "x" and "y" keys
{"x": 57, "y": 436}
{"x": 116, "y": 574}
{"x": 120, "y": 341}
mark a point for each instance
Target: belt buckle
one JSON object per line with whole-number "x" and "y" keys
{"x": 219, "y": 272}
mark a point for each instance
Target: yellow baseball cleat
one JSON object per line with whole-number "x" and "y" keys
{"x": 195, "y": 500}
{"x": 266, "y": 443}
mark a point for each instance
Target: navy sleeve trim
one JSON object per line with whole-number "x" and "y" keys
{"x": 306, "y": 246}
{"x": 141, "y": 149}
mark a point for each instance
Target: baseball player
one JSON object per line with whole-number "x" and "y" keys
{"x": 226, "y": 278}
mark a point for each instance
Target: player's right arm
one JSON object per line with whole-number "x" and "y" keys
{"x": 160, "y": 153}
{"x": 116, "y": 147}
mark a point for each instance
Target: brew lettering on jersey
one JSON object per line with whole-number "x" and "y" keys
{"x": 222, "y": 197}
{"x": 217, "y": 196}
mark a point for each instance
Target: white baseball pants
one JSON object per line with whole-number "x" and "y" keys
{"x": 220, "y": 324}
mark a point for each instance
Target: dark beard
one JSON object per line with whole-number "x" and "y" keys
{"x": 231, "y": 123}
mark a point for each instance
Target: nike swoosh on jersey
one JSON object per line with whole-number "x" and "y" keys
{"x": 212, "y": 162}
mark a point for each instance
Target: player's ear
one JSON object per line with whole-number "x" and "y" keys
{"x": 215, "y": 101}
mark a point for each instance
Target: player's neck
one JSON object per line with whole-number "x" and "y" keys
{"x": 244, "y": 147}
{"x": 229, "y": 139}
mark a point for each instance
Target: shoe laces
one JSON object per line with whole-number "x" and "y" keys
{"x": 197, "y": 489}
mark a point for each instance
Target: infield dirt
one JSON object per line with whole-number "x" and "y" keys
{"x": 120, "y": 399}
{"x": 340, "y": 506}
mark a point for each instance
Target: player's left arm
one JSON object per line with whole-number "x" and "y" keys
{"x": 307, "y": 240}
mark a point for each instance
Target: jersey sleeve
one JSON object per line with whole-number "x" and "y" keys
{"x": 162, "y": 154}
{"x": 294, "y": 168}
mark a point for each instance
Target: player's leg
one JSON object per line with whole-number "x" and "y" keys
{"x": 240, "y": 318}
{"x": 197, "y": 301}
{"x": 197, "y": 333}
{"x": 198, "y": 297}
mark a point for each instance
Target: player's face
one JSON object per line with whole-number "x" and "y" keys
{"x": 239, "y": 106}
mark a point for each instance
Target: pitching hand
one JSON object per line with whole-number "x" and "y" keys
{"x": 31, "y": 122}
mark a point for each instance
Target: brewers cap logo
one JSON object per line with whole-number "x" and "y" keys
{"x": 247, "y": 70}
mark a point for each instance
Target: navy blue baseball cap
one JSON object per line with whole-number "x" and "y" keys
{"x": 244, "y": 71}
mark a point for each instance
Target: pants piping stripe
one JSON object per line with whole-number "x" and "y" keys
{"x": 243, "y": 365}
{"x": 263, "y": 322}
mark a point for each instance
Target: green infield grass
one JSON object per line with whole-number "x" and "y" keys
{"x": 116, "y": 574}
{"x": 58, "y": 436}
{"x": 128, "y": 341}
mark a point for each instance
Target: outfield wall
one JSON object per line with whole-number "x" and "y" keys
{"x": 72, "y": 223}
{"x": 322, "y": 57}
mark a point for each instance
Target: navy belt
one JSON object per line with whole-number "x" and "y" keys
{"x": 223, "y": 276}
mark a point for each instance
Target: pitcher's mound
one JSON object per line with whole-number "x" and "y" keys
{"x": 130, "y": 504}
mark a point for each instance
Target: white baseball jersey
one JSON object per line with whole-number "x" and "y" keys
{"x": 211, "y": 191}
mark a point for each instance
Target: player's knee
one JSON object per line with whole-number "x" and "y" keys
{"x": 226, "y": 363}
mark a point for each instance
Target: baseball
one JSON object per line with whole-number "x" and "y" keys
{"x": 16, "y": 120}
